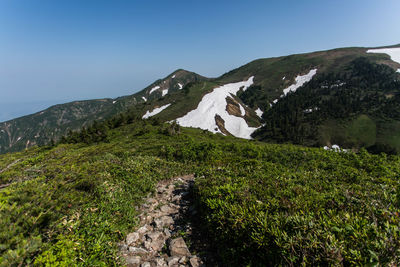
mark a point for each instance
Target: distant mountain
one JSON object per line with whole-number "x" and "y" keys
{"x": 347, "y": 96}
{"x": 50, "y": 124}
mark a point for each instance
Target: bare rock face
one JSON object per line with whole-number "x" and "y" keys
{"x": 177, "y": 247}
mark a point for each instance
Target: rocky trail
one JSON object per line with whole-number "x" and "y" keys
{"x": 166, "y": 221}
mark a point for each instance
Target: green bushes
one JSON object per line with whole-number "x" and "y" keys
{"x": 295, "y": 206}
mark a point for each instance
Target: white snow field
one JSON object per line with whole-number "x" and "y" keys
{"x": 300, "y": 81}
{"x": 180, "y": 86}
{"x": 155, "y": 111}
{"x": 259, "y": 112}
{"x": 155, "y": 88}
{"x": 394, "y": 53}
{"x": 214, "y": 103}
{"x": 145, "y": 99}
{"x": 164, "y": 92}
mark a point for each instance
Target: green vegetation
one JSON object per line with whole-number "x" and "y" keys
{"x": 261, "y": 203}
{"x": 352, "y": 107}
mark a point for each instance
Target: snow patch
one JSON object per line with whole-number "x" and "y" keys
{"x": 394, "y": 53}
{"x": 114, "y": 102}
{"x": 164, "y": 92}
{"x": 242, "y": 111}
{"x": 155, "y": 111}
{"x": 214, "y": 103}
{"x": 19, "y": 138}
{"x": 173, "y": 76}
{"x": 300, "y": 81}
{"x": 398, "y": 70}
{"x": 259, "y": 112}
{"x": 154, "y": 89}
{"x": 284, "y": 77}
{"x": 275, "y": 101}
{"x": 144, "y": 98}
{"x": 180, "y": 86}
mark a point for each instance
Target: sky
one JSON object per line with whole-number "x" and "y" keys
{"x": 58, "y": 51}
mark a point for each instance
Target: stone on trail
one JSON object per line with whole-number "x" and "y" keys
{"x": 194, "y": 261}
{"x": 177, "y": 247}
{"x": 132, "y": 238}
{"x": 133, "y": 261}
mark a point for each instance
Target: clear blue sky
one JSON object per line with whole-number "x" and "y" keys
{"x": 56, "y": 51}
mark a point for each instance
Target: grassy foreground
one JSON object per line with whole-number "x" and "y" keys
{"x": 260, "y": 203}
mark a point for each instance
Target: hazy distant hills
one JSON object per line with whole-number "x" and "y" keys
{"x": 343, "y": 96}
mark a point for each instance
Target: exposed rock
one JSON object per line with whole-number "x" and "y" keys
{"x": 137, "y": 251}
{"x": 173, "y": 261}
{"x": 177, "y": 247}
{"x": 195, "y": 261}
{"x": 145, "y": 264}
{"x": 132, "y": 238}
{"x": 133, "y": 261}
{"x": 164, "y": 221}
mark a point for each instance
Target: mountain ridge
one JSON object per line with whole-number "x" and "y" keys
{"x": 183, "y": 91}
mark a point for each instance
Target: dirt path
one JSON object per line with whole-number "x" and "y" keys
{"x": 165, "y": 223}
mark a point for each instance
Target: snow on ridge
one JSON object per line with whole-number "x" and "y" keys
{"x": 114, "y": 102}
{"x": 180, "y": 86}
{"x": 300, "y": 81}
{"x": 259, "y": 112}
{"x": 173, "y": 76}
{"x": 164, "y": 92}
{"x": 394, "y": 53}
{"x": 155, "y": 111}
{"x": 214, "y": 103}
{"x": 144, "y": 99}
{"x": 154, "y": 89}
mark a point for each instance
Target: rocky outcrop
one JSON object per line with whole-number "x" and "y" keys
{"x": 158, "y": 240}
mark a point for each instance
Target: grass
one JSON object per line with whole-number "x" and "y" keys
{"x": 260, "y": 203}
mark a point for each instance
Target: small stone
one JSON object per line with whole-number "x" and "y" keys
{"x": 133, "y": 261}
{"x": 132, "y": 238}
{"x": 122, "y": 247}
{"x": 167, "y": 209}
{"x": 194, "y": 261}
{"x": 183, "y": 260}
{"x": 167, "y": 233}
{"x": 145, "y": 264}
{"x": 142, "y": 230}
{"x": 177, "y": 247}
{"x": 136, "y": 250}
{"x": 157, "y": 241}
{"x": 160, "y": 262}
{"x": 176, "y": 199}
{"x": 173, "y": 261}
{"x": 164, "y": 221}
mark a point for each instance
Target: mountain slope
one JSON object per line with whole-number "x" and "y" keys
{"x": 50, "y": 124}
{"x": 268, "y": 91}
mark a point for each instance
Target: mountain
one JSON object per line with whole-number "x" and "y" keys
{"x": 345, "y": 96}
{"x": 50, "y": 124}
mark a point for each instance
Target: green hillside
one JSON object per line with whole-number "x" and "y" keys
{"x": 261, "y": 204}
